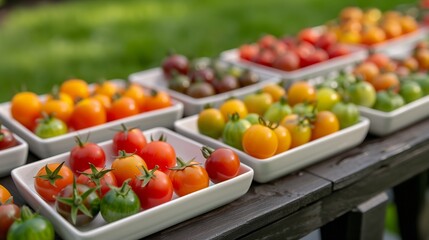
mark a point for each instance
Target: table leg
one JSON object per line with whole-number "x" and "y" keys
{"x": 409, "y": 198}
{"x": 366, "y": 221}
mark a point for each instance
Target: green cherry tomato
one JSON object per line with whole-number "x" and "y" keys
{"x": 253, "y": 118}
{"x": 211, "y": 122}
{"x": 423, "y": 81}
{"x": 258, "y": 102}
{"x": 49, "y": 127}
{"x": 347, "y": 114}
{"x": 326, "y": 98}
{"x": 31, "y": 226}
{"x": 388, "y": 101}
{"x": 234, "y": 131}
{"x": 361, "y": 93}
{"x": 304, "y": 108}
{"x": 410, "y": 91}
{"x": 277, "y": 111}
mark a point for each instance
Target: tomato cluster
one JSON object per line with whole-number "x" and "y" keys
{"x": 203, "y": 78}
{"x": 356, "y": 26}
{"x": 21, "y": 223}
{"x": 383, "y": 83}
{"x": 263, "y": 127}
{"x": 76, "y": 105}
{"x": 290, "y": 53}
{"x": 143, "y": 175}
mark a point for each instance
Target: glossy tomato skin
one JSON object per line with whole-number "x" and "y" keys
{"x": 106, "y": 180}
{"x": 126, "y": 166}
{"x": 45, "y": 189}
{"x": 159, "y": 153}
{"x": 260, "y": 141}
{"x": 4, "y": 194}
{"x": 83, "y": 154}
{"x": 119, "y": 203}
{"x": 189, "y": 179}
{"x": 157, "y": 191}
{"x": 8, "y": 214}
{"x": 221, "y": 164}
{"x": 129, "y": 140}
{"x": 175, "y": 63}
{"x": 91, "y": 202}
{"x": 347, "y": 114}
{"x": 7, "y": 139}
{"x": 50, "y": 127}
{"x": 32, "y": 226}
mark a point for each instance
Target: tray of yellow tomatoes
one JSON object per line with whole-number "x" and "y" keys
{"x": 49, "y": 123}
{"x": 275, "y": 136}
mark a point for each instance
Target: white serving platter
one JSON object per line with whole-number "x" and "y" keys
{"x": 148, "y": 221}
{"x": 384, "y": 123}
{"x": 357, "y": 54}
{"x": 291, "y": 160}
{"x": 154, "y": 79}
{"x": 13, "y": 157}
{"x": 44, "y": 148}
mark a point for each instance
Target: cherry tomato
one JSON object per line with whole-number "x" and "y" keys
{"x": 408, "y": 24}
{"x": 87, "y": 113}
{"x": 84, "y": 154}
{"x": 9, "y": 213}
{"x": 275, "y": 90}
{"x": 252, "y": 118}
{"x": 232, "y": 106}
{"x": 211, "y": 122}
{"x": 258, "y": 102}
{"x": 76, "y": 88}
{"x": 59, "y": 105}
{"x": 126, "y": 165}
{"x": 31, "y": 226}
{"x": 137, "y": 93}
{"x": 373, "y": 35}
{"x": 388, "y": 101}
{"x": 104, "y": 100}
{"x": 152, "y": 187}
{"x": 386, "y": 81}
{"x": 157, "y": 100}
{"x": 234, "y": 130}
{"x": 288, "y": 61}
{"x": 200, "y": 90}
{"x": 175, "y": 63}
{"x": 121, "y": 108}
{"x": 248, "y": 51}
{"x": 130, "y": 140}
{"x": 299, "y": 129}
{"x": 325, "y": 123}
{"x": 26, "y": 109}
{"x": 95, "y": 177}
{"x": 188, "y": 177}
{"x": 260, "y": 141}
{"x": 277, "y": 111}
{"x": 347, "y": 114}
{"x": 410, "y": 91}
{"x": 78, "y": 204}
{"x": 7, "y": 140}
{"x": 326, "y": 98}
{"x": 50, "y": 179}
{"x": 4, "y": 194}
{"x": 301, "y": 92}
{"x": 367, "y": 70}
{"x": 247, "y": 78}
{"x": 50, "y": 126}
{"x": 351, "y": 13}
{"x": 159, "y": 153}
{"x": 180, "y": 83}
{"x": 361, "y": 93}
{"x": 107, "y": 88}
{"x": 309, "y": 35}
{"x": 221, "y": 164}
{"x": 284, "y": 138}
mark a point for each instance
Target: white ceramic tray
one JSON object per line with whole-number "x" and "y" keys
{"x": 384, "y": 123}
{"x": 357, "y": 54}
{"x": 44, "y": 148}
{"x": 154, "y": 79}
{"x": 291, "y": 160}
{"x": 148, "y": 221}
{"x": 13, "y": 157}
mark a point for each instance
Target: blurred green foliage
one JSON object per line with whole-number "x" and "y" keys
{"x": 104, "y": 39}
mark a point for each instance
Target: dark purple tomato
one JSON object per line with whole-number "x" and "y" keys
{"x": 200, "y": 90}
{"x": 226, "y": 83}
{"x": 179, "y": 83}
{"x": 248, "y": 78}
{"x": 175, "y": 63}
{"x": 202, "y": 74}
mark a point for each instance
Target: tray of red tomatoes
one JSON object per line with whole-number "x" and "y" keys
{"x": 48, "y": 123}
{"x": 107, "y": 190}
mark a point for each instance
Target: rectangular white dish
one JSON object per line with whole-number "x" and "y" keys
{"x": 384, "y": 123}
{"x": 44, "y": 148}
{"x": 148, "y": 221}
{"x": 291, "y": 160}
{"x": 13, "y": 157}
{"x": 324, "y": 68}
{"x": 154, "y": 79}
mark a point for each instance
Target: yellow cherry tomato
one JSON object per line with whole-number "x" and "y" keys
{"x": 232, "y": 106}
{"x": 284, "y": 139}
{"x": 260, "y": 141}
{"x": 275, "y": 90}
{"x": 299, "y": 129}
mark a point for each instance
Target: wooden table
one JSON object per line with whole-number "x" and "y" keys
{"x": 343, "y": 195}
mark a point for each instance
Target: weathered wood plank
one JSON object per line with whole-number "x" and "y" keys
{"x": 263, "y": 204}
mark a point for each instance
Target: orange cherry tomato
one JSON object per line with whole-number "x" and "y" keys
{"x": 126, "y": 166}
{"x": 188, "y": 177}
{"x": 386, "y": 81}
{"x": 351, "y": 13}
{"x": 157, "y": 100}
{"x": 60, "y": 96}
{"x": 367, "y": 70}
{"x": 373, "y": 35}
{"x": 232, "y": 106}
{"x": 104, "y": 100}
{"x": 379, "y": 59}
{"x": 107, "y": 88}
{"x": 59, "y": 109}
{"x": 275, "y": 90}
{"x": 408, "y": 24}
{"x": 76, "y": 88}
{"x": 392, "y": 28}
{"x": 350, "y": 37}
{"x": 411, "y": 64}
{"x": 301, "y": 92}
{"x": 26, "y": 109}
{"x": 48, "y": 183}
{"x": 260, "y": 141}
{"x": 137, "y": 93}
{"x": 87, "y": 113}
{"x": 121, "y": 108}
{"x": 4, "y": 194}
{"x": 284, "y": 139}
{"x": 299, "y": 129}
{"x": 326, "y": 123}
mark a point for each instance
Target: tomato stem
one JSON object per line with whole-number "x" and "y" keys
{"x": 207, "y": 151}
{"x": 181, "y": 164}
{"x": 26, "y": 213}
{"x": 52, "y": 176}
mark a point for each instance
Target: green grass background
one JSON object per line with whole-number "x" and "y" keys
{"x": 104, "y": 39}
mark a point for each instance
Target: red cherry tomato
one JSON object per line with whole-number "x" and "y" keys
{"x": 98, "y": 177}
{"x": 130, "y": 140}
{"x": 188, "y": 177}
{"x": 7, "y": 139}
{"x": 85, "y": 153}
{"x": 309, "y": 35}
{"x": 221, "y": 164}
{"x": 51, "y": 179}
{"x": 159, "y": 153}
{"x": 152, "y": 187}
